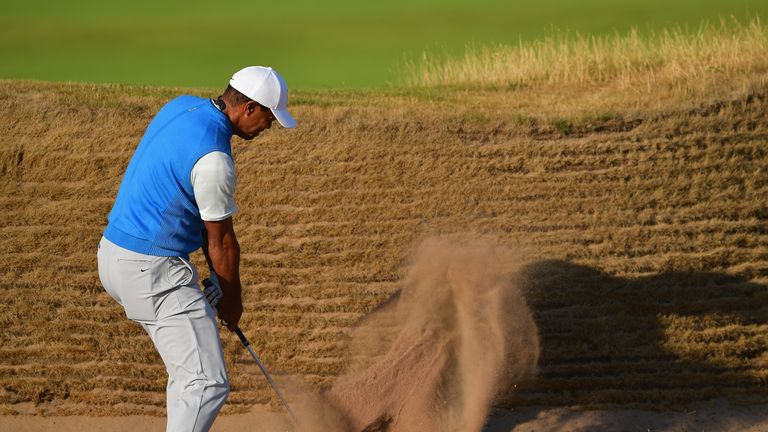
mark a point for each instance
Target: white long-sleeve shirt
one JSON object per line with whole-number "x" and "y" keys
{"x": 214, "y": 180}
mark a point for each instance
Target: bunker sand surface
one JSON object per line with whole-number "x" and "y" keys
{"x": 716, "y": 415}
{"x": 642, "y": 234}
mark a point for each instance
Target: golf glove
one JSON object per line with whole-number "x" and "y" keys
{"x": 212, "y": 290}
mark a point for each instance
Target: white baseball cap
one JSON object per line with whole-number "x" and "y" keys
{"x": 267, "y": 87}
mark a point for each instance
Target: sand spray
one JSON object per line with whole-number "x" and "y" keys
{"x": 435, "y": 356}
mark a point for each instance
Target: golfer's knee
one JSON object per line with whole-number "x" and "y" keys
{"x": 218, "y": 388}
{"x": 224, "y": 389}
{"x": 217, "y": 385}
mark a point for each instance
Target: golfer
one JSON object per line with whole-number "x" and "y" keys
{"x": 177, "y": 196}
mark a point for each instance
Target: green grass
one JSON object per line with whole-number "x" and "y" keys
{"x": 315, "y": 45}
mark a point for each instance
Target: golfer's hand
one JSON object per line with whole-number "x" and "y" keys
{"x": 230, "y": 311}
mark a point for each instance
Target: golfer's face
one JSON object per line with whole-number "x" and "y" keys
{"x": 255, "y": 120}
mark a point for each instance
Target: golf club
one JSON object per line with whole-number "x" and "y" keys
{"x": 212, "y": 292}
{"x": 247, "y": 344}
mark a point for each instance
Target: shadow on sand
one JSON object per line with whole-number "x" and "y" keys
{"x": 662, "y": 341}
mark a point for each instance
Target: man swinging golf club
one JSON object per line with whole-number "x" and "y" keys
{"x": 177, "y": 196}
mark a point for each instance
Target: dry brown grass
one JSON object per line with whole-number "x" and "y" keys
{"x": 606, "y": 73}
{"x": 644, "y": 232}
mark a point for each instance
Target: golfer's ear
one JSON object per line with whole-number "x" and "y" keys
{"x": 251, "y": 107}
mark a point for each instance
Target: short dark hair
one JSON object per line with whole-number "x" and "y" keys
{"x": 235, "y": 96}
{"x": 238, "y": 98}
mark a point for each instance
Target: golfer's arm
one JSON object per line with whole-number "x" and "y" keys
{"x": 222, "y": 251}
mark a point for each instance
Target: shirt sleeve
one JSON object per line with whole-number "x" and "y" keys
{"x": 214, "y": 181}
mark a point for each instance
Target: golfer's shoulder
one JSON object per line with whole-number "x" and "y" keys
{"x": 192, "y": 115}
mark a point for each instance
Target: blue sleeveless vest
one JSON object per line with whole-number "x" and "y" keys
{"x": 155, "y": 212}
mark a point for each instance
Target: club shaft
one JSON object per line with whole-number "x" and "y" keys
{"x": 247, "y": 344}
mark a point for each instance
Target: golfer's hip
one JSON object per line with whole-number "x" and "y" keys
{"x": 149, "y": 287}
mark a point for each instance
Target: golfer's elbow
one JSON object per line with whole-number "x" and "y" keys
{"x": 220, "y": 238}
{"x": 227, "y": 246}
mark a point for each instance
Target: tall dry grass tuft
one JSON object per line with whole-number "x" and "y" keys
{"x": 671, "y": 60}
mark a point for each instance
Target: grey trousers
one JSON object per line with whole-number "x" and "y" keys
{"x": 162, "y": 295}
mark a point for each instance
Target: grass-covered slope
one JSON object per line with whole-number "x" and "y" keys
{"x": 643, "y": 231}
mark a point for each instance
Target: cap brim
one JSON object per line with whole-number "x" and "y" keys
{"x": 284, "y": 118}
